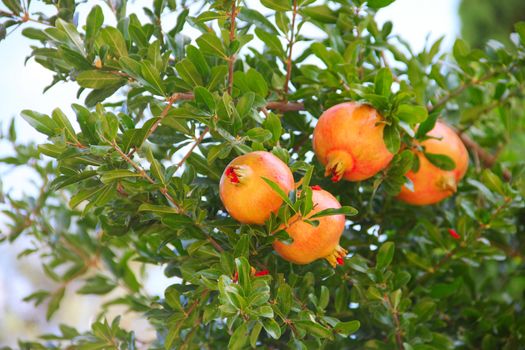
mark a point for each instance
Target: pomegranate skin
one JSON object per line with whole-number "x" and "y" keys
{"x": 245, "y": 195}
{"x": 432, "y": 184}
{"x": 311, "y": 243}
{"x": 348, "y": 141}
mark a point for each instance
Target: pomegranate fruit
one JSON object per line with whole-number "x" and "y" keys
{"x": 311, "y": 243}
{"x": 246, "y": 196}
{"x": 432, "y": 184}
{"x": 348, "y": 141}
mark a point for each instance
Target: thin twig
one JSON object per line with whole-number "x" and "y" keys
{"x": 290, "y": 48}
{"x": 190, "y": 151}
{"x": 395, "y": 317}
{"x": 145, "y": 175}
{"x": 170, "y": 100}
{"x": 458, "y": 91}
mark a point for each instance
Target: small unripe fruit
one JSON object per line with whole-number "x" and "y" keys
{"x": 246, "y": 196}
{"x": 432, "y": 184}
{"x": 311, "y": 243}
{"x": 348, "y": 141}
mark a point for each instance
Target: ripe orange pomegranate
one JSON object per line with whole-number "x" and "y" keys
{"x": 246, "y": 196}
{"x": 432, "y": 184}
{"x": 348, "y": 141}
{"x": 311, "y": 243}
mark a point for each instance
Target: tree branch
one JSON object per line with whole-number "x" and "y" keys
{"x": 172, "y": 99}
{"x": 145, "y": 175}
{"x": 458, "y": 91}
{"x": 395, "y": 317}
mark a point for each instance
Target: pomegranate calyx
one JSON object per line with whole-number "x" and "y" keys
{"x": 236, "y": 174}
{"x": 337, "y": 256}
{"x": 448, "y": 183}
{"x": 339, "y": 162}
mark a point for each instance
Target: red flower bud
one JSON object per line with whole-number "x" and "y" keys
{"x": 340, "y": 261}
{"x": 453, "y": 233}
{"x": 262, "y": 273}
{"x": 235, "y": 277}
{"x": 316, "y": 188}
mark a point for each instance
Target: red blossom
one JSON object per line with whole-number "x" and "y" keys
{"x": 316, "y": 188}
{"x": 453, "y": 233}
{"x": 262, "y": 273}
{"x": 235, "y": 277}
{"x": 340, "y": 261}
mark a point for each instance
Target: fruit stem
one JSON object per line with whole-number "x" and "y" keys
{"x": 337, "y": 256}
{"x": 338, "y": 162}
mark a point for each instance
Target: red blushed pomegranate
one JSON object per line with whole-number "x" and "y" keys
{"x": 246, "y": 196}
{"x": 432, "y": 184}
{"x": 348, "y": 141}
{"x": 311, "y": 243}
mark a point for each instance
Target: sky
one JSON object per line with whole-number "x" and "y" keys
{"x": 21, "y": 87}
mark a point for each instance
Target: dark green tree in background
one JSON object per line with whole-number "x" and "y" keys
{"x": 132, "y": 175}
{"x": 482, "y": 20}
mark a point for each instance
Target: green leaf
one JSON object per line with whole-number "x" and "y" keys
{"x": 383, "y": 82}
{"x": 116, "y": 174}
{"x": 277, "y": 5}
{"x": 211, "y": 44}
{"x": 94, "y": 22}
{"x": 155, "y": 167}
{"x": 97, "y": 285}
{"x": 63, "y": 181}
{"x": 377, "y": 4}
{"x": 151, "y": 75}
{"x": 97, "y": 79}
{"x": 259, "y": 135}
{"x": 239, "y": 337}
{"x": 162, "y": 209}
{"x": 54, "y": 302}
{"x": 255, "y": 17}
{"x": 275, "y": 187}
{"x": 493, "y": 182}
{"x": 254, "y": 335}
{"x": 113, "y": 38}
{"x": 189, "y": 73}
{"x": 41, "y": 122}
{"x": 272, "y": 41}
{"x": 441, "y": 161}
{"x": 315, "y": 329}
{"x": 427, "y": 125}
{"x": 346, "y": 210}
{"x": 347, "y": 328}
{"x": 392, "y": 138}
{"x": 385, "y": 255}
{"x": 272, "y": 328}
{"x": 321, "y": 13}
{"x": 72, "y": 34}
{"x": 412, "y": 114}
{"x": 204, "y": 98}
{"x": 244, "y": 270}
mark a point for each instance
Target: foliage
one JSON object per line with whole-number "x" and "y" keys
{"x": 482, "y": 20}
{"x": 135, "y": 178}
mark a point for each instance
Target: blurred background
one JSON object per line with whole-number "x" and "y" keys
{"x": 21, "y": 87}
